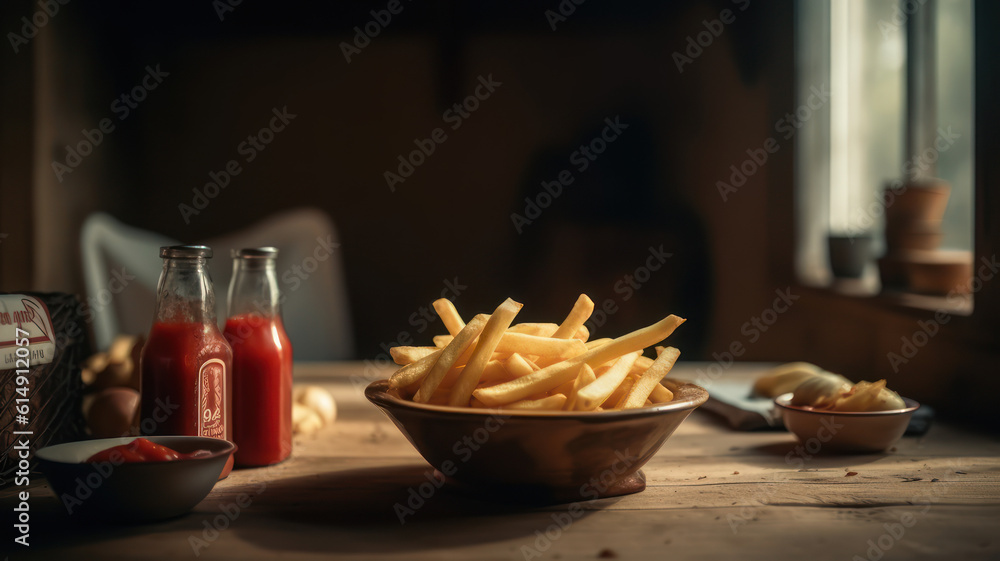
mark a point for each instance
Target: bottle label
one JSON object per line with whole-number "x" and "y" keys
{"x": 211, "y": 399}
{"x": 29, "y": 314}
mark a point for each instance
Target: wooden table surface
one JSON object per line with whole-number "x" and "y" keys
{"x": 712, "y": 493}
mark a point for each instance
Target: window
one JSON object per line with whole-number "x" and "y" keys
{"x": 899, "y": 75}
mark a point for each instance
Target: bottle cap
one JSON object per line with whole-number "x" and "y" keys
{"x": 256, "y": 253}
{"x": 185, "y": 251}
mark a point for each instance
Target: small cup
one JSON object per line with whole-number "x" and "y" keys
{"x": 849, "y": 255}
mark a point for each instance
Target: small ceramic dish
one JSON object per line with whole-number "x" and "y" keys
{"x": 538, "y": 456}
{"x": 845, "y": 431}
{"x": 140, "y": 491}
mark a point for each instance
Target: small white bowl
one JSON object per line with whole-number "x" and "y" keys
{"x": 845, "y": 431}
{"x": 140, "y": 491}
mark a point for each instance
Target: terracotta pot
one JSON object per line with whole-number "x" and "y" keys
{"x": 913, "y": 234}
{"x": 916, "y": 200}
{"x": 940, "y": 272}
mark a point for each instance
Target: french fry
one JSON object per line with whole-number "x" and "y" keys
{"x": 491, "y": 362}
{"x": 546, "y": 330}
{"x": 539, "y": 329}
{"x": 553, "y": 402}
{"x": 597, "y": 343}
{"x": 551, "y": 376}
{"x": 584, "y": 378}
{"x": 409, "y": 355}
{"x": 517, "y": 366}
{"x": 491, "y": 334}
{"x": 533, "y": 345}
{"x": 617, "y": 398}
{"x": 449, "y": 315}
{"x": 661, "y": 394}
{"x": 441, "y": 341}
{"x": 597, "y": 392}
{"x": 650, "y": 378}
{"x": 414, "y": 372}
{"x": 449, "y": 355}
{"x": 495, "y": 373}
{"x": 565, "y": 387}
{"x": 580, "y": 313}
{"x": 641, "y": 364}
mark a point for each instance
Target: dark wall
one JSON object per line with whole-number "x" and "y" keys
{"x": 651, "y": 194}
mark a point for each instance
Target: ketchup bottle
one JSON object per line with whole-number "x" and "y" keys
{"x": 262, "y": 361}
{"x": 186, "y": 364}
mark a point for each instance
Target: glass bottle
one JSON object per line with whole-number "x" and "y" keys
{"x": 262, "y": 360}
{"x": 186, "y": 364}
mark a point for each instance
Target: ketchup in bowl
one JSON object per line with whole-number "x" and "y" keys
{"x": 142, "y": 450}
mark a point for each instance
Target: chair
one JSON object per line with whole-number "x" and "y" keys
{"x": 309, "y": 269}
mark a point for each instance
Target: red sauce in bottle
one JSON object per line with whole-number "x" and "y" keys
{"x": 186, "y": 365}
{"x": 262, "y": 389}
{"x": 184, "y": 371}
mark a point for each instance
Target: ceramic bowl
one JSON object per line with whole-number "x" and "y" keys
{"x": 544, "y": 456}
{"x": 845, "y": 431}
{"x": 133, "y": 491}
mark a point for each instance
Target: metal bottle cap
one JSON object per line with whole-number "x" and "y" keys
{"x": 185, "y": 251}
{"x": 256, "y": 253}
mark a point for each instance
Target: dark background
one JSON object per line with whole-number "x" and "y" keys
{"x": 654, "y": 186}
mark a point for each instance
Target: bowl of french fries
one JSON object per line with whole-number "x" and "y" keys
{"x": 537, "y": 409}
{"x": 828, "y": 412}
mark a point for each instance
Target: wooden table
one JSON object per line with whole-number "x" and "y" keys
{"x": 712, "y": 493}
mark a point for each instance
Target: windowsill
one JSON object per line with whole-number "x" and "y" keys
{"x": 864, "y": 290}
{"x": 868, "y": 288}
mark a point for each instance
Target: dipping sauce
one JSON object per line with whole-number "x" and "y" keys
{"x": 142, "y": 450}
